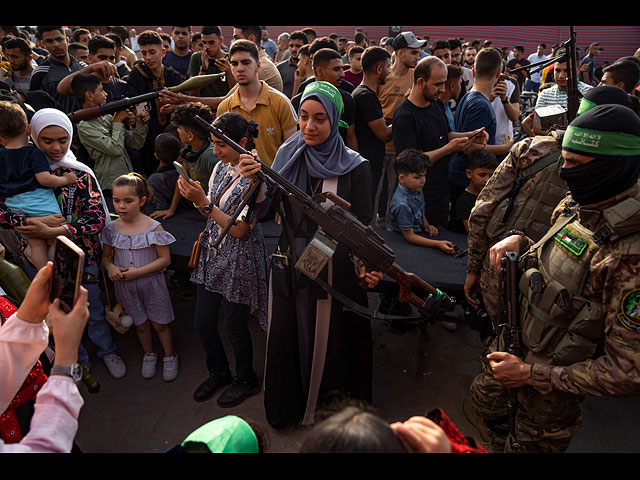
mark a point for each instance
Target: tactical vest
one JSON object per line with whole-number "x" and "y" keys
{"x": 530, "y": 204}
{"x": 557, "y": 321}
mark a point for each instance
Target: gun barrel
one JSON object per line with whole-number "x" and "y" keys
{"x": 111, "y": 107}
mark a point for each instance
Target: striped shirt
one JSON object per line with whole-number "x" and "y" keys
{"x": 555, "y": 96}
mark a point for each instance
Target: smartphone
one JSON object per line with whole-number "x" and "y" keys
{"x": 502, "y": 77}
{"x": 68, "y": 271}
{"x": 475, "y": 133}
{"x": 181, "y": 170}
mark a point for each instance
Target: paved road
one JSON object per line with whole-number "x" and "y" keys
{"x": 134, "y": 415}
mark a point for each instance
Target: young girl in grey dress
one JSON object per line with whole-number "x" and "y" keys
{"x": 136, "y": 253}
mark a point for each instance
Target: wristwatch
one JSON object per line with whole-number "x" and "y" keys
{"x": 206, "y": 209}
{"x": 74, "y": 371}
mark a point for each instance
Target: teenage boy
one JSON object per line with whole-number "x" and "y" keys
{"x": 146, "y": 76}
{"x": 255, "y": 100}
{"x": 106, "y": 136}
{"x": 354, "y": 73}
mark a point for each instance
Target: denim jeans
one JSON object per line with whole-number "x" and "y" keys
{"x": 98, "y": 328}
{"x": 235, "y": 318}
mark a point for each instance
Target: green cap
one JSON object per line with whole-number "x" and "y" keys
{"x": 228, "y": 434}
{"x": 332, "y": 93}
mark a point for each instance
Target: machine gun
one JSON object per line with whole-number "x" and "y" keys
{"x": 570, "y": 56}
{"x": 90, "y": 113}
{"x": 336, "y": 224}
{"x": 509, "y": 331}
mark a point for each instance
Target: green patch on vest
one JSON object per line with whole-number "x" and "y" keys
{"x": 570, "y": 241}
{"x": 629, "y": 314}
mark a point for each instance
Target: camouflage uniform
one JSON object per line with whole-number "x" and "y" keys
{"x": 581, "y": 331}
{"x": 530, "y": 214}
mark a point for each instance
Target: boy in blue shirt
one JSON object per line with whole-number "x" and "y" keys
{"x": 407, "y": 207}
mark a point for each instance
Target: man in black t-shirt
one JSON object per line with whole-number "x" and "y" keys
{"x": 372, "y": 130}
{"x": 420, "y": 123}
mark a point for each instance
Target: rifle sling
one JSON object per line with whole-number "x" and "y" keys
{"x": 359, "y": 309}
{"x": 525, "y": 175}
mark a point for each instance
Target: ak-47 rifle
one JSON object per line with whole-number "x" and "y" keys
{"x": 337, "y": 224}
{"x": 570, "y": 56}
{"x": 125, "y": 103}
{"x": 509, "y": 331}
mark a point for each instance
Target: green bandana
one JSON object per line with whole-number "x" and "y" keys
{"x": 598, "y": 142}
{"x": 332, "y": 93}
{"x": 228, "y": 434}
{"x": 585, "y": 105}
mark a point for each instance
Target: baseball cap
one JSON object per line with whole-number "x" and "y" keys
{"x": 407, "y": 40}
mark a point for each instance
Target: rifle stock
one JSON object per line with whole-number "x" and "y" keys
{"x": 342, "y": 226}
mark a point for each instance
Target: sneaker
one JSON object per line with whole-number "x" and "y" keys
{"x": 149, "y": 365}
{"x": 207, "y": 388}
{"x": 238, "y": 392}
{"x": 115, "y": 365}
{"x": 170, "y": 368}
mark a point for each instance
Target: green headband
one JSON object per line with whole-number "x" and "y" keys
{"x": 332, "y": 93}
{"x": 585, "y": 105}
{"x": 598, "y": 142}
{"x": 228, "y": 434}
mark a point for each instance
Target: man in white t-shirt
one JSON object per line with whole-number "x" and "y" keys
{"x": 532, "y": 84}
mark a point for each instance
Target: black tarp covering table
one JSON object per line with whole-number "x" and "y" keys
{"x": 435, "y": 267}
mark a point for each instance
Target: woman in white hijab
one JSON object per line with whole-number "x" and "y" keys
{"x": 84, "y": 215}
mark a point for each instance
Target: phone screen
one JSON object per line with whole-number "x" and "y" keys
{"x": 68, "y": 269}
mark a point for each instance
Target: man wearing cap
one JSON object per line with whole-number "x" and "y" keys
{"x": 393, "y": 92}
{"x": 580, "y": 302}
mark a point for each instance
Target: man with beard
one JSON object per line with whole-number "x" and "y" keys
{"x": 288, "y": 67}
{"x": 580, "y": 295}
{"x": 420, "y": 122}
{"x": 58, "y": 65}
{"x": 372, "y": 130}
{"x": 212, "y": 59}
{"x": 391, "y": 94}
{"x": 18, "y": 53}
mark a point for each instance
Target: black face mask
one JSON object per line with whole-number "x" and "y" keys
{"x": 601, "y": 178}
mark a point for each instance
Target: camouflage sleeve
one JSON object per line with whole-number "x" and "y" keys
{"x": 496, "y": 190}
{"x": 616, "y": 372}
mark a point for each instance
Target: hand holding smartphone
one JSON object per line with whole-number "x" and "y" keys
{"x": 68, "y": 271}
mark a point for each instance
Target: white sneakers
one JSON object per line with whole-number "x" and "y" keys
{"x": 115, "y": 365}
{"x": 169, "y": 367}
{"x": 149, "y": 365}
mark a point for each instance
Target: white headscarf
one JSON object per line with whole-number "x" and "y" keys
{"x": 49, "y": 117}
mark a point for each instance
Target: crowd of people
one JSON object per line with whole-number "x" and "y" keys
{"x": 416, "y": 135}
